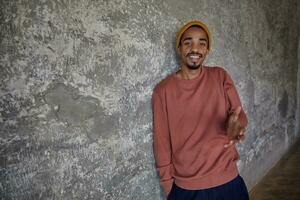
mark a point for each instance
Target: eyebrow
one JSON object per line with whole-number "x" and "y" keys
{"x": 189, "y": 38}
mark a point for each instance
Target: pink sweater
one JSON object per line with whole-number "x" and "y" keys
{"x": 189, "y": 131}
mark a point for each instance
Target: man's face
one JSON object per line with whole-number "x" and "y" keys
{"x": 193, "y": 47}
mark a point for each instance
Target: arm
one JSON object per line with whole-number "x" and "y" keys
{"x": 237, "y": 119}
{"x": 162, "y": 143}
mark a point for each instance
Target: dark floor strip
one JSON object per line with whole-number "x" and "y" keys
{"x": 283, "y": 180}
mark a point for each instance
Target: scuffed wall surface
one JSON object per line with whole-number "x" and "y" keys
{"x": 75, "y": 109}
{"x": 77, "y": 77}
{"x": 297, "y": 131}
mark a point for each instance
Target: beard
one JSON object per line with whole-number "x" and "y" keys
{"x": 194, "y": 66}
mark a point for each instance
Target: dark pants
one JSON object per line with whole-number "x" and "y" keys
{"x": 233, "y": 190}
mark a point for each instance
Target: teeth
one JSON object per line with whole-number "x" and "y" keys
{"x": 194, "y": 56}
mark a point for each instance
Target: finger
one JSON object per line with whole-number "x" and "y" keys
{"x": 242, "y": 132}
{"x": 229, "y": 144}
{"x": 241, "y": 136}
{"x": 238, "y": 110}
{"x": 241, "y": 139}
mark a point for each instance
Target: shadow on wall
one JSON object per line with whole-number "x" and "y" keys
{"x": 298, "y": 90}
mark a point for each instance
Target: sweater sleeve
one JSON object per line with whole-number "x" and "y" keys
{"x": 162, "y": 143}
{"x": 233, "y": 99}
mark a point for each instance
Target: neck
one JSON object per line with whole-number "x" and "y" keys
{"x": 188, "y": 74}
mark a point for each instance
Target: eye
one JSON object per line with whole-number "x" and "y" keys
{"x": 203, "y": 44}
{"x": 187, "y": 43}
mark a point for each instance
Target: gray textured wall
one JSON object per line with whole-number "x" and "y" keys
{"x": 298, "y": 83}
{"x": 77, "y": 77}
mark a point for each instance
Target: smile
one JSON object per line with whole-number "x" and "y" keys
{"x": 194, "y": 56}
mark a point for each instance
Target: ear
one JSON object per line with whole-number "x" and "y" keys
{"x": 178, "y": 50}
{"x": 207, "y": 52}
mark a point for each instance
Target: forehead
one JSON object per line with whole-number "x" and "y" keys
{"x": 195, "y": 31}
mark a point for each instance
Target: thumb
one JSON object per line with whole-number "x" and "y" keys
{"x": 236, "y": 112}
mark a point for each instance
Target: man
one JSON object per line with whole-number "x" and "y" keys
{"x": 197, "y": 120}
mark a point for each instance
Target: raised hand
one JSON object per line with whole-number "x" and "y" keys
{"x": 235, "y": 130}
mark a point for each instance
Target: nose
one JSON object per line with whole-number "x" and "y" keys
{"x": 195, "y": 47}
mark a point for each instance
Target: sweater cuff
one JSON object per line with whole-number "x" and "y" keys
{"x": 167, "y": 186}
{"x": 242, "y": 117}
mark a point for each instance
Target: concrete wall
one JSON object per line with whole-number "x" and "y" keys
{"x": 297, "y": 131}
{"x": 77, "y": 77}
